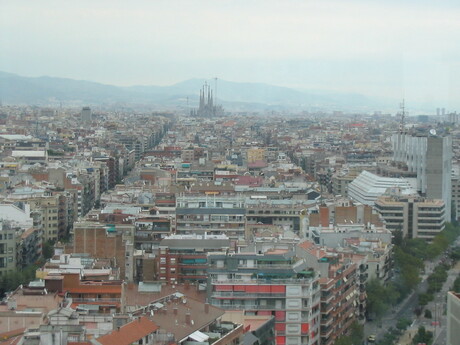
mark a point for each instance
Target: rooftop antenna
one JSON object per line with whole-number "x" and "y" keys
{"x": 403, "y": 117}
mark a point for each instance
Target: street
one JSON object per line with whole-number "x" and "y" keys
{"x": 437, "y": 324}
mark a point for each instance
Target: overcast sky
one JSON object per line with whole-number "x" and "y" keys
{"x": 390, "y": 48}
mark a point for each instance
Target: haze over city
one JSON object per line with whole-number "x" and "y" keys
{"x": 257, "y": 172}
{"x": 384, "y": 49}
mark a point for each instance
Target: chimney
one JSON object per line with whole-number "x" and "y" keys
{"x": 206, "y": 307}
{"x": 188, "y": 318}
{"x": 175, "y": 310}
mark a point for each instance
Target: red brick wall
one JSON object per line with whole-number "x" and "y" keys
{"x": 98, "y": 244}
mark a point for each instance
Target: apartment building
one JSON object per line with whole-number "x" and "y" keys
{"x": 271, "y": 283}
{"x": 8, "y": 248}
{"x": 343, "y": 211}
{"x": 106, "y": 241}
{"x": 184, "y": 257}
{"x": 456, "y": 194}
{"x": 287, "y": 214}
{"x": 415, "y": 216}
{"x": 211, "y": 214}
{"x": 339, "y": 289}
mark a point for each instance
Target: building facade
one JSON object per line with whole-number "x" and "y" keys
{"x": 272, "y": 283}
{"x": 430, "y": 157}
{"x": 212, "y": 215}
{"x": 416, "y": 217}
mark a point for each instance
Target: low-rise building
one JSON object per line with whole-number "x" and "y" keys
{"x": 415, "y": 216}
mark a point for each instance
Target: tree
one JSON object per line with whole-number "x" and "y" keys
{"x": 357, "y": 333}
{"x": 402, "y": 324}
{"x": 48, "y": 250}
{"x": 343, "y": 340}
{"x": 428, "y": 314}
{"x": 424, "y": 298}
{"x": 398, "y": 238}
{"x": 422, "y": 336}
{"x": 380, "y": 297}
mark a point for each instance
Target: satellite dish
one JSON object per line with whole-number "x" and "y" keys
{"x": 433, "y": 131}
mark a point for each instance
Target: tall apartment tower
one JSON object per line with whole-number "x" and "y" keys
{"x": 430, "y": 157}
{"x": 86, "y": 115}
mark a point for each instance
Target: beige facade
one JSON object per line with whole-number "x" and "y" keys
{"x": 49, "y": 209}
{"x": 255, "y": 154}
{"x": 415, "y": 217}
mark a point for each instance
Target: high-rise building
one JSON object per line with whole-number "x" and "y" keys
{"x": 86, "y": 115}
{"x": 273, "y": 283}
{"x": 431, "y": 158}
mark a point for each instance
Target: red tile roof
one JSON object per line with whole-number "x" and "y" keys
{"x": 129, "y": 333}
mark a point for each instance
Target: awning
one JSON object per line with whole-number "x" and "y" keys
{"x": 199, "y": 336}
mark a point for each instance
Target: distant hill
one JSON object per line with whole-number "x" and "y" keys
{"x": 15, "y": 89}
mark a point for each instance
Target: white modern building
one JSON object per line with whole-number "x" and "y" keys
{"x": 368, "y": 187}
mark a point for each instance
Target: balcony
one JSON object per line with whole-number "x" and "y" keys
{"x": 326, "y": 333}
{"x": 242, "y": 294}
{"x": 327, "y": 309}
{"x": 98, "y": 300}
{"x": 327, "y": 321}
{"x": 267, "y": 266}
{"x": 327, "y": 299}
{"x": 303, "y": 281}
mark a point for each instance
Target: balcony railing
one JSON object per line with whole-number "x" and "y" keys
{"x": 243, "y": 294}
{"x": 101, "y": 300}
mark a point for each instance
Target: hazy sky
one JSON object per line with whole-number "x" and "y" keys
{"x": 384, "y": 48}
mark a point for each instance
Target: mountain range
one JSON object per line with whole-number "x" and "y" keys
{"x": 49, "y": 91}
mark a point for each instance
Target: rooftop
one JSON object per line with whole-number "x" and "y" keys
{"x": 129, "y": 333}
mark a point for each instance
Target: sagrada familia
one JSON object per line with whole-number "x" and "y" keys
{"x": 207, "y": 107}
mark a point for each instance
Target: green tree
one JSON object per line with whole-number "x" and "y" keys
{"x": 48, "y": 250}
{"x": 422, "y": 336}
{"x": 357, "y": 333}
{"x": 402, "y": 324}
{"x": 343, "y": 340}
{"x": 424, "y": 298}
